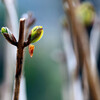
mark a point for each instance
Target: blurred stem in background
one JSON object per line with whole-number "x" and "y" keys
{"x": 81, "y": 46}
{"x": 10, "y": 54}
{"x": 72, "y": 61}
{"x": 74, "y": 82}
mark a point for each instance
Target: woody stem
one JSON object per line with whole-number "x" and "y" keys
{"x": 19, "y": 63}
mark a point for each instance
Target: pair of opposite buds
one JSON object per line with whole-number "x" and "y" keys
{"x": 34, "y": 36}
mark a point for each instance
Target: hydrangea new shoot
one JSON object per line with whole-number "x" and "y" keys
{"x": 36, "y": 33}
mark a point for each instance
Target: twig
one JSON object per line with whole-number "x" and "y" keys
{"x": 12, "y": 41}
{"x": 19, "y": 64}
{"x": 30, "y": 20}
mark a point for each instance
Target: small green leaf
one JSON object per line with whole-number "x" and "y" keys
{"x": 36, "y": 33}
{"x": 4, "y": 30}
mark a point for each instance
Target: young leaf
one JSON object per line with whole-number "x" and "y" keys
{"x": 34, "y": 36}
{"x": 31, "y": 49}
{"x": 5, "y": 30}
{"x": 36, "y": 33}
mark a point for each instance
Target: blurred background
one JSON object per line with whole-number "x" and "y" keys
{"x": 46, "y": 74}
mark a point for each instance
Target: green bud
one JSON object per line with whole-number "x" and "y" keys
{"x": 4, "y": 30}
{"x": 36, "y": 33}
{"x": 86, "y": 13}
{"x": 8, "y": 35}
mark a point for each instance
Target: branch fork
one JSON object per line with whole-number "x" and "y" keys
{"x": 34, "y": 36}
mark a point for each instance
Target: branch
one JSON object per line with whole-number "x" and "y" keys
{"x": 12, "y": 40}
{"x": 30, "y": 20}
{"x": 19, "y": 64}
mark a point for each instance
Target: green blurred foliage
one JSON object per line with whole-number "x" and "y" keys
{"x": 43, "y": 77}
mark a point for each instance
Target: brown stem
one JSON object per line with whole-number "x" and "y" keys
{"x": 29, "y": 22}
{"x": 11, "y": 40}
{"x": 19, "y": 64}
